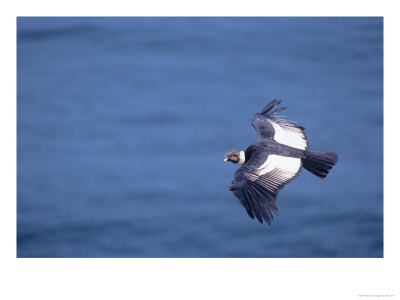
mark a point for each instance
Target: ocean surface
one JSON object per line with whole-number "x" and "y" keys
{"x": 123, "y": 123}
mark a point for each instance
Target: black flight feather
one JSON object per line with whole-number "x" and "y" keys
{"x": 270, "y": 106}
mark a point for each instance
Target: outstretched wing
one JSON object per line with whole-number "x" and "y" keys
{"x": 285, "y": 132}
{"x": 257, "y": 187}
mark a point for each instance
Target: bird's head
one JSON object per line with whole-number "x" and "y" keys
{"x": 232, "y": 155}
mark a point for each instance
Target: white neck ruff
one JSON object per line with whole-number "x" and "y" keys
{"x": 242, "y": 157}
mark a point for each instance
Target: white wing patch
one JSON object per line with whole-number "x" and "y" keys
{"x": 280, "y": 169}
{"x": 284, "y": 163}
{"x": 288, "y": 134}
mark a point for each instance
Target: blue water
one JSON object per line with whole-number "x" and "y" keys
{"x": 123, "y": 124}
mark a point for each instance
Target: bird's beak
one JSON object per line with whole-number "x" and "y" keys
{"x": 225, "y": 159}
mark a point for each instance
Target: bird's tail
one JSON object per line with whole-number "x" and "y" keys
{"x": 319, "y": 163}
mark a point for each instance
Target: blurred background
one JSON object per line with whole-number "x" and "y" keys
{"x": 123, "y": 124}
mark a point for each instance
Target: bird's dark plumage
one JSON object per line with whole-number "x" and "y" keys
{"x": 274, "y": 160}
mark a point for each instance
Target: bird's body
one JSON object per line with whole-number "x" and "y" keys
{"x": 275, "y": 159}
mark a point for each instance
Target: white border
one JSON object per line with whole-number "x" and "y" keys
{"x": 197, "y": 278}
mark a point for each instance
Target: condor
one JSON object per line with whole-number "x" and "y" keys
{"x": 274, "y": 160}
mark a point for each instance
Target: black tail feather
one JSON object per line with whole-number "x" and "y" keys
{"x": 319, "y": 163}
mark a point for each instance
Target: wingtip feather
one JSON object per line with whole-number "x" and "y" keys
{"x": 270, "y": 106}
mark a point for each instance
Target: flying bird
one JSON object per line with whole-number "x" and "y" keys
{"x": 274, "y": 160}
